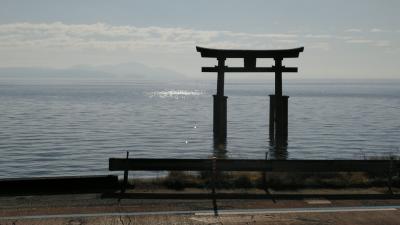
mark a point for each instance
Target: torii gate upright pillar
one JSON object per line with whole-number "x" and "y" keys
{"x": 220, "y": 107}
{"x": 278, "y": 109}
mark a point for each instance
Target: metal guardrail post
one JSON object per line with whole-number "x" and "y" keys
{"x": 213, "y": 178}
{"x": 390, "y": 174}
{"x": 264, "y": 180}
{"x": 125, "y": 183}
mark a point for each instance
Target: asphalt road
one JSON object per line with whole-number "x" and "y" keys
{"x": 91, "y": 209}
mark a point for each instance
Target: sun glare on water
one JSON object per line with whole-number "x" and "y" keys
{"x": 177, "y": 94}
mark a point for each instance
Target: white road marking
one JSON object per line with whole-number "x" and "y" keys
{"x": 211, "y": 212}
{"x": 344, "y": 209}
{"x": 317, "y": 201}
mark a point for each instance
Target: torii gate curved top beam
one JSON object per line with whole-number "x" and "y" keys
{"x": 241, "y": 53}
{"x": 250, "y": 59}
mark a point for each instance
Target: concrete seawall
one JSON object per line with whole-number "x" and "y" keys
{"x": 58, "y": 185}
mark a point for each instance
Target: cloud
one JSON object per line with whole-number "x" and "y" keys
{"x": 372, "y": 30}
{"x": 103, "y": 36}
{"x": 95, "y": 36}
{"x": 318, "y": 36}
{"x": 100, "y": 36}
{"x": 382, "y": 43}
{"x": 374, "y": 43}
{"x": 375, "y": 30}
{"x": 359, "y": 41}
{"x": 320, "y": 45}
{"x": 288, "y": 41}
{"x": 353, "y": 30}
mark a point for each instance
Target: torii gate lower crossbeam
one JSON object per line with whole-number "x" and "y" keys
{"x": 278, "y": 103}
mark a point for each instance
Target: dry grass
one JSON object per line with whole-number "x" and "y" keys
{"x": 177, "y": 180}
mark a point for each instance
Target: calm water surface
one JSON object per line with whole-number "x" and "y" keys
{"x": 72, "y": 129}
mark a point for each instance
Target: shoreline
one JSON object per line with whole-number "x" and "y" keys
{"x": 184, "y": 182}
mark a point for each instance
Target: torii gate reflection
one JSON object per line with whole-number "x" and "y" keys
{"x": 278, "y": 117}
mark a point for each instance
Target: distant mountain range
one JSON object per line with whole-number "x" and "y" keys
{"x": 123, "y": 71}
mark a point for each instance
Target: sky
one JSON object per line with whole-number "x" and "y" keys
{"x": 343, "y": 39}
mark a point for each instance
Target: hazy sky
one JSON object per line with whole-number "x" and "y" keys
{"x": 342, "y": 39}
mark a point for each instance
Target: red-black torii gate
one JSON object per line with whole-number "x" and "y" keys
{"x": 278, "y": 104}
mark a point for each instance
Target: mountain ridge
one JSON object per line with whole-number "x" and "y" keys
{"x": 121, "y": 71}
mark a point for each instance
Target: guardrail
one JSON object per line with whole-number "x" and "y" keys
{"x": 388, "y": 167}
{"x": 146, "y": 164}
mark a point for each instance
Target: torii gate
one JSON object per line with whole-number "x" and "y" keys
{"x": 278, "y": 125}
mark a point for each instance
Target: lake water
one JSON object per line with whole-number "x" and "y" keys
{"x": 72, "y": 129}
